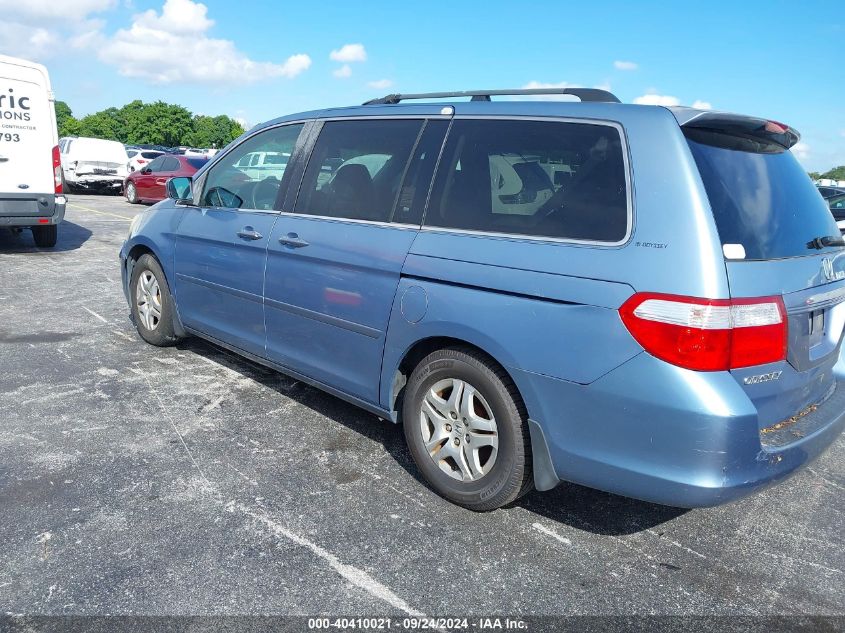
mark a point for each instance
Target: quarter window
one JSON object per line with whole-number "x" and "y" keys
{"x": 236, "y": 181}
{"x": 356, "y": 169}
{"x": 537, "y": 178}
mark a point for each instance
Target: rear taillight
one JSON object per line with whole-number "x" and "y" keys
{"x": 708, "y": 334}
{"x": 57, "y": 169}
{"x": 141, "y": 161}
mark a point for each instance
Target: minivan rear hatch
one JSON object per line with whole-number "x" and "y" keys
{"x": 779, "y": 240}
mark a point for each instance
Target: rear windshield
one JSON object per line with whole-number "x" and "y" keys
{"x": 197, "y": 162}
{"x": 151, "y": 154}
{"x": 761, "y": 196}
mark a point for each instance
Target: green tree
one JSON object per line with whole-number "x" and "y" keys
{"x": 814, "y": 175}
{"x": 100, "y": 125}
{"x": 216, "y": 131}
{"x": 156, "y": 123}
{"x": 63, "y": 115}
{"x": 837, "y": 173}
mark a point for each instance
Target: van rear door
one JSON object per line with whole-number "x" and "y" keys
{"x": 779, "y": 239}
{"x": 27, "y": 138}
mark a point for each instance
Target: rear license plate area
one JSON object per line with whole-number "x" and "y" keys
{"x": 816, "y": 327}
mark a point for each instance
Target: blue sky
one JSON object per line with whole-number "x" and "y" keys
{"x": 258, "y": 59}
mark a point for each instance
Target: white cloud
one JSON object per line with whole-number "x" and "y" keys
{"x": 622, "y": 65}
{"x": 343, "y": 72}
{"x": 380, "y": 84}
{"x": 702, "y": 105}
{"x": 41, "y": 10}
{"x": 801, "y": 151}
{"x": 174, "y": 46}
{"x": 177, "y": 16}
{"x": 655, "y": 99}
{"x": 349, "y": 53}
{"x": 39, "y": 29}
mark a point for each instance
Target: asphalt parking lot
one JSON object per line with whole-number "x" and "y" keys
{"x": 138, "y": 480}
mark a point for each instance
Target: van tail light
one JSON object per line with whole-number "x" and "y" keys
{"x": 57, "y": 169}
{"x": 708, "y": 334}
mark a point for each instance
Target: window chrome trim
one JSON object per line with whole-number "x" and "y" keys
{"x": 397, "y": 225}
{"x": 629, "y": 184}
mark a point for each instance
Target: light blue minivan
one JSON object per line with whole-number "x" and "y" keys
{"x": 641, "y": 299}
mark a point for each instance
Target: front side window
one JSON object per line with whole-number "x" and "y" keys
{"x": 356, "y": 169}
{"x": 538, "y": 178}
{"x": 233, "y": 183}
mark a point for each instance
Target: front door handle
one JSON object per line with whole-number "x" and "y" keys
{"x": 249, "y": 233}
{"x": 293, "y": 241}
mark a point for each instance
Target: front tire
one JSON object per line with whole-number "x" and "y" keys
{"x": 45, "y": 236}
{"x": 152, "y": 304}
{"x": 131, "y": 194}
{"x": 466, "y": 428}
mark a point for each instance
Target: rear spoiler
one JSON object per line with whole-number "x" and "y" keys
{"x": 738, "y": 125}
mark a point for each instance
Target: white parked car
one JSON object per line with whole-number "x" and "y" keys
{"x": 93, "y": 164}
{"x": 30, "y": 172}
{"x": 140, "y": 158}
{"x": 260, "y": 165}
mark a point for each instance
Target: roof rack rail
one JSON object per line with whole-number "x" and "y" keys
{"x": 584, "y": 94}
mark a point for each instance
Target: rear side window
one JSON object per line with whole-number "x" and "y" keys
{"x": 761, "y": 197}
{"x": 537, "y": 178}
{"x": 196, "y": 162}
{"x": 170, "y": 164}
{"x": 157, "y": 164}
{"x": 356, "y": 168}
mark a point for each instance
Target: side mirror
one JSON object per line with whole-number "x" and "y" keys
{"x": 146, "y": 170}
{"x": 180, "y": 189}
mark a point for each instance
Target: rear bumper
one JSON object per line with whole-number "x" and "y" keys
{"x": 97, "y": 183}
{"x": 37, "y": 210}
{"x": 662, "y": 434}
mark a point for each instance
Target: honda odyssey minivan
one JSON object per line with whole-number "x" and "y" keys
{"x": 645, "y": 300}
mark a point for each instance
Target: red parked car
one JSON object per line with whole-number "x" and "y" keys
{"x": 147, "y": 184}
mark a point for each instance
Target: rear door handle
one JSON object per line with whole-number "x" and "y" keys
{"x": 248, "y": 233}
{"x": 293, "y": 241}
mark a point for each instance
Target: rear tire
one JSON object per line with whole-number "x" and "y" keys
{"x": 132, "y": 194}
{"x": 46, "y": 236}
{"x": 152, "y": 304}
{"x": 467, "y": 429}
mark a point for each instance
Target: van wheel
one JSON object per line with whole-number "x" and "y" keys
{"x": 466, "y": 428}
{"x": 131, "y": 194}
{"x": 152, "y": 305}
{"x": 46, "y": 236}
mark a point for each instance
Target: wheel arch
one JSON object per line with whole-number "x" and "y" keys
{"x": 425, "y": 346}
{"x": 135, "y": 252}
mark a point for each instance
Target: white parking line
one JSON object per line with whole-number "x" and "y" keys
{"x": 92, "y": 313}
{"x": 553, "y": 534}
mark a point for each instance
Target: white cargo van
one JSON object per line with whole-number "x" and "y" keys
{"x": 30, "y": 165}
{"x": 93, "y": 164}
